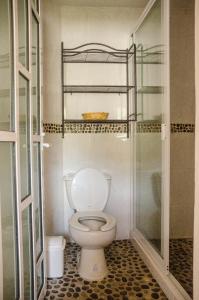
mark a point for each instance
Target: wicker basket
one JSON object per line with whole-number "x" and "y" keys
{"x": 95, "y": 116}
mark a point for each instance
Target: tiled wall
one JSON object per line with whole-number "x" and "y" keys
{"x": 62, "y": 24}
{"x": 108, "y": 148}
{"x": 115, "y": 128}
{"x": 109, "y": 153}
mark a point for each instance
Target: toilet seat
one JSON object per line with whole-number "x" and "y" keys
{"x": 109, "y": 220}
{"x": 89, "y": 190}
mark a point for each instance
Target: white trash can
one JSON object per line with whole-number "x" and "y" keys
{"x": 55, "y": 256}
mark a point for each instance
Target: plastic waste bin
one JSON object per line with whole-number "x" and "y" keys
{"x": 55, "y": 256}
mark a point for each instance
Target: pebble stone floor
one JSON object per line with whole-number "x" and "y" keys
{"x": 181, "y": 262}
{"x": 128, "y": 278}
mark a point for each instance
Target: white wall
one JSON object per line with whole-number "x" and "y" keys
{"x": 74, "y": 26}
{"x": 53, "y": 185}
{"x": 111, "y": 25}
{"x": 109, "y": 153}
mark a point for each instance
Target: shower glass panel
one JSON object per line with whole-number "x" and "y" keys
{"x": 24, "y": 137}
{"x": 8, "y": 225}
{"x": 27, "y": 254}
{"x": 35, "y": 75}
{"x": 149, "y": 64}
{"x": 37, "y": 197}
{"x": 23, "y": 32}
{"x": 21, "y": 233}
{"x": 6, "y": 67}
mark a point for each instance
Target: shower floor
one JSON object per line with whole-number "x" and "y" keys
{"x": 129, "y": 278}
{"x": 181, "y": 262}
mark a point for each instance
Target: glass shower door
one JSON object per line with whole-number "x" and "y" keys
{"x": 22, "y": 273}
{"x": 149, "y": 136}
{"x": 9, "y": 250}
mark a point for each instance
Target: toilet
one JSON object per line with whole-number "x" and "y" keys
{"x": 88, "y": 192}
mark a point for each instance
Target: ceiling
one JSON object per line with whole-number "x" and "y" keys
{"x": 104, "y": 3}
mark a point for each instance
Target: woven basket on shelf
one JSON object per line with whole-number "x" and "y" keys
{"x": 95, "y": 116}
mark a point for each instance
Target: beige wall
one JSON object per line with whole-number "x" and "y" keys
{"x": 182, "y": 108}
{"x": 196, "y": 219}
{"x": 182, "y": 61}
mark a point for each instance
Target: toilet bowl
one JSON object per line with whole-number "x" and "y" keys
{"x": 92, "y": 230}
{"x": 88, "y": 192}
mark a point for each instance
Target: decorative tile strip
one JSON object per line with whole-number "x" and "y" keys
{"x": 85, "y": 128}
{"x": 95, "y": 128}
{"x": 142, "y": 127}
{"x": 52, "y": 128}
{"x": 182, "y": 128}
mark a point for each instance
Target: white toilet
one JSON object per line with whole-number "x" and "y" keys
{"x": 88, "y": 192}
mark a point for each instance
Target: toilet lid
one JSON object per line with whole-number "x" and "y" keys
{"x": 89, "y": 190}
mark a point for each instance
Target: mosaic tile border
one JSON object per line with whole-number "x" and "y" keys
{"x": 85, "y": 128}
{"x": 52, "y": 128}
{"x": 142, "y": 127}
{"x": 183, "y": 128}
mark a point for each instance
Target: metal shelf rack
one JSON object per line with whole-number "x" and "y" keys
{"x": 109, "y": 121}
{"x": 97, "y": 89}
{"x": 150, "y": 56}
{"x": 91, "y": 53}
{"x": 97, "y": 53}
{"x": 151, "y": 90}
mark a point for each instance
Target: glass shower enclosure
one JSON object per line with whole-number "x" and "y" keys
{"x": 22, "y": 274}
{"x": 150, "y": 126}
{"x": 163, "y": 141}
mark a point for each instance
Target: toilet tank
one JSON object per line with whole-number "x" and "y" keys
{"x": 68, "y": 178}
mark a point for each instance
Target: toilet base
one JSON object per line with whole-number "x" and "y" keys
{"x": 92, "y": 264}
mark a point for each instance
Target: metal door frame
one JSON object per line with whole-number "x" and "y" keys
{"x": 159, "y": 265}
{"x": 9, "y": 136}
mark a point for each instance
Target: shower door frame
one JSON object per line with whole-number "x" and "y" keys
{"x": 13, "y": 137}
{"x": 34, "y": 138}
{"x": 158, "y": 264}
{"x": 162, "y": 262}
